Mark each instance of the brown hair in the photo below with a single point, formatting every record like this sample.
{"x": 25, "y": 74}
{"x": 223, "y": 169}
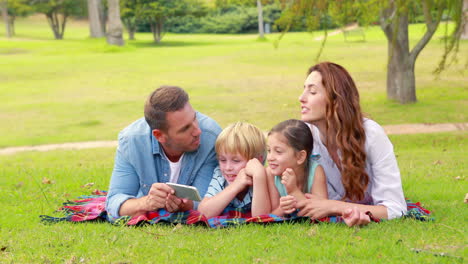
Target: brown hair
{"x": 161, "y": 101}
{"x": 298, "y": 135}
{"x": 344, "y": 128}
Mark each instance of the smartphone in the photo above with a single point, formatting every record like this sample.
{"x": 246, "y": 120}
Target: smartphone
{"x": 185, "y": 191}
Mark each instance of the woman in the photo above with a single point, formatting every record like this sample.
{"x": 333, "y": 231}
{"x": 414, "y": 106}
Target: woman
{"x": 361, "y": 169}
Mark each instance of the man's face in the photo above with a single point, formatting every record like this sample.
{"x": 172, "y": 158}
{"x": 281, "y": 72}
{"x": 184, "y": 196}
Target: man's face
{"x": 183, "y": 133}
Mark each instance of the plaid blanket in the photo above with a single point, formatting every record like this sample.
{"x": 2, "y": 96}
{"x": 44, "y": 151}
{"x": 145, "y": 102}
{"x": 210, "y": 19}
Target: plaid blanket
{"x": 92, "y": 208}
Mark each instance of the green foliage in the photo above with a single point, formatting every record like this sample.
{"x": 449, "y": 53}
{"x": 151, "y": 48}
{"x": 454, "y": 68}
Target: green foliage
{"x": 19, "y": 8}
{"x": 58, "y": 11}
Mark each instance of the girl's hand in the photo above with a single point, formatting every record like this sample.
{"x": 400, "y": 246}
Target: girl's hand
{"x": 253, "y": 166}
{"x": 288, "y": 204}
{"x": 354, "y": 217}
{"x": 243, "y": 180}
{"x": 314, "y": 207}
{"x": 289, "y": 180}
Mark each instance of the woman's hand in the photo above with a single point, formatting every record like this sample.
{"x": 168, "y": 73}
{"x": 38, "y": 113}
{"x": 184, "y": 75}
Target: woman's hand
{"x": 315, "y": 207}
{"x": 288, "y": 204}
{"x": 289, "y": 180}
{"x": 355, "y": 217}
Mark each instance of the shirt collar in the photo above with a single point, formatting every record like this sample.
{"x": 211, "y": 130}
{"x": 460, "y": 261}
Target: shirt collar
{"x": 155, "y": 145}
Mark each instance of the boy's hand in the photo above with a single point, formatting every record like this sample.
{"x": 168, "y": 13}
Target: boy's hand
{"x": 242, "y": 179}
{"x": 253, "y": 166}
{"x": 289, "y": 180}
{"x": 288, "y": 204}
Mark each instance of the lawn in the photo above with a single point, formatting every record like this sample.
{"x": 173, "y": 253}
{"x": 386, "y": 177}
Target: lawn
{"x": 433, "y": 172}
{"x": 81, "y": 89}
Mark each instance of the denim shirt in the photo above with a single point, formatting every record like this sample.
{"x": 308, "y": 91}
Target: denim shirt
{"x": 140, "y": 162}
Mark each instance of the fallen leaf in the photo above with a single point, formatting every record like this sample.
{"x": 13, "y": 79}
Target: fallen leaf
{"x": 178, "y": 226}
{"x": 47, "y": 181}
{"x": 3, "y": 248}
{"x": 312, "y": 231}
{"x": 466, "y": 198}
{"x": 87, "y": 185}
{"x": 458, "y": 178}
{"x": 437, "y": 162}
{"x": 66, "y": 195}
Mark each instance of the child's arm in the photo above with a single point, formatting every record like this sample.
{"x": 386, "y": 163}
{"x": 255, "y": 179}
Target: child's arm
{"x": 261, "y": 197}
{"x": 319, "y": 187}
{"x": 274, "y": 195}
{"x": 214, "y": 206}
{"x": 289, "y": 180}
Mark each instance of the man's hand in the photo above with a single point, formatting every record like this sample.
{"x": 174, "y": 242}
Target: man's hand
{"x": 176, "y": 204}
{"x": 157, "y": 196}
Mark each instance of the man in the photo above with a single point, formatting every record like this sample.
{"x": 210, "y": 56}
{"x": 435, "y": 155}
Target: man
{"x": 173, "y": 143}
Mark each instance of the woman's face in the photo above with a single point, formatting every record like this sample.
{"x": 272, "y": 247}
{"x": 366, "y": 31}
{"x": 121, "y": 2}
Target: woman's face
{"x": 313, "y": 99}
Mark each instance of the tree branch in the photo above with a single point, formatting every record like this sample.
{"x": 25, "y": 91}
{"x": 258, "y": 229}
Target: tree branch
{"x": 431, "y": 28}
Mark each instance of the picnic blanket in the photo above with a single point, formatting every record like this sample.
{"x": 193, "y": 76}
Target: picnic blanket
{"x": 92, "y": 208}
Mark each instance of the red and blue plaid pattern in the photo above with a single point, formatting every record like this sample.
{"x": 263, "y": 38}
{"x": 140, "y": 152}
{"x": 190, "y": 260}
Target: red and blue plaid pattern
{"x": 92, "y": 207}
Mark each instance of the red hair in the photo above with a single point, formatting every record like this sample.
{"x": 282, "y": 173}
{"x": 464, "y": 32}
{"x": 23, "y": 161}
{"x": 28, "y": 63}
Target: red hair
{"x": 344, "y": 128}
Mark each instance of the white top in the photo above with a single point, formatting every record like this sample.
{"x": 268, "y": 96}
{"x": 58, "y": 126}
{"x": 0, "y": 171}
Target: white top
{"x": 384, "y": 176}
{"x": 175, "y": 168}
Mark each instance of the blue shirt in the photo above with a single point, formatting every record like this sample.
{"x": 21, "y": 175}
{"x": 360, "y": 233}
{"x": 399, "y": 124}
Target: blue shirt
{"x": 219, "y": 183}
{"x": 140, "y": 162}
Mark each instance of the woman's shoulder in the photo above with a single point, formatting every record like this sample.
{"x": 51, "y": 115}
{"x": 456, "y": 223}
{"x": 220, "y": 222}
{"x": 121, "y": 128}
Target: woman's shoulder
{"x": 373, "y": 129}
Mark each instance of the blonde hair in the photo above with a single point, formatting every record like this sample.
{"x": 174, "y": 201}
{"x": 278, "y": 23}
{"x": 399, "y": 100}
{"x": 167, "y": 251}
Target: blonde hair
{"x": 243, "y": 138}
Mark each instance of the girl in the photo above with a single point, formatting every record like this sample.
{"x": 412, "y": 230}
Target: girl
{"x": 230, "y": 186}
{"x": 357, "y": 156}
{"x": 290, "y": 172}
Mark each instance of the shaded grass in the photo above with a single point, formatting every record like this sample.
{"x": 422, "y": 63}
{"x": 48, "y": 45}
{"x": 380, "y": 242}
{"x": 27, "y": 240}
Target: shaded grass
{"x": 52, "y": 90}
{"x": 429, "y": 163}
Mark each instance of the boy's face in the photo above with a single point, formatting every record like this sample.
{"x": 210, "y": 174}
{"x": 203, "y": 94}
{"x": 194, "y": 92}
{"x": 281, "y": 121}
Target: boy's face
{"x": 231, "y": 164}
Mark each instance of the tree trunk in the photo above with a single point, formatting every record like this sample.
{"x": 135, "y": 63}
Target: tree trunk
{"x": 95, "y": 27}
{"x": 4, "y": 7}
{"x": 157, "y": 28}
{"x": 12, "y": 25}
{"x": 400, "y": 66}
{"x": 260, "y": 19}
{"x": 103, "y": 17}
{"x": 464, "y": 34}
{"x": 58, "y": 27}
{"x": 115, "y": 29}
{"x": 131, "y": 34}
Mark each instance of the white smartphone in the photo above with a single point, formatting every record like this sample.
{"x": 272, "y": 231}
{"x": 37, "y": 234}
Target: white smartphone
{"x": 185, "y": 191}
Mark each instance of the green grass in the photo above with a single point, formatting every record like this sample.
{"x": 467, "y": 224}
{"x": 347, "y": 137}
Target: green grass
{"x": 429, "y": 163}
{"x": 81, "y": 89}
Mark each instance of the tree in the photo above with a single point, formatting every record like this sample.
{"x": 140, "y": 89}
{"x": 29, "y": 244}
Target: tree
{"x": 128, "y": 14}
{"x": 393, "y": 18}
{"x": 57, "y": 13}
{"x": 260, "y": 19}
{"x": 17, "y": 8}
{"x": 114, "y": 30}
{"x": 464, "y": 34}
{"x": 94, "y": 16}
{"x": 4, "y": 7}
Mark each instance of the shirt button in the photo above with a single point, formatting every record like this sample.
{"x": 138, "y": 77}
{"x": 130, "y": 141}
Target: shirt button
{"x": 165, "y": 174}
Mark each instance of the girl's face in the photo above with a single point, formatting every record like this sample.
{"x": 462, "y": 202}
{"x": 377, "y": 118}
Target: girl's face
{"x": 313, "y": 99}
{"x": 280, "y": 154}
{"x": 230, "y": 165}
